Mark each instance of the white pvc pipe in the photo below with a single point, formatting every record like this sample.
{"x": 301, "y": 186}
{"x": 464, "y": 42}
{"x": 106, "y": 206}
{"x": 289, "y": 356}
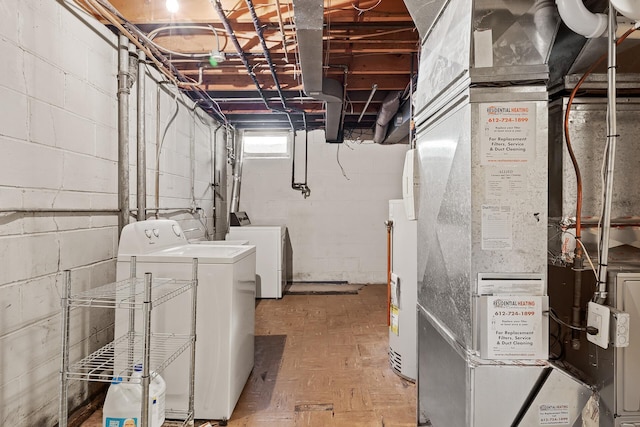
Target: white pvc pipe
{"x": 580, "y": 20}
{"x": 629, "y": 8}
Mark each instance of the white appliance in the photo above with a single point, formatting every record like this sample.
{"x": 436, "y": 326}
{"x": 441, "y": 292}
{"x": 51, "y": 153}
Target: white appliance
{"x": 404, "y": 268}
{"x": 411, "y": 183}
{"x": 270, "y": 256}
{"x": 225, "y": 321}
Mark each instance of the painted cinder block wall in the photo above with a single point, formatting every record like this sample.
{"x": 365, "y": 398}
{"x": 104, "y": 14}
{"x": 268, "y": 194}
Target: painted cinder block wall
{"x": 58, "y": 149}
{"x": 338, "y": 233}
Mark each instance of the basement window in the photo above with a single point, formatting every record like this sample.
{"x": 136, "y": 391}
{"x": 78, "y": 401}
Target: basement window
{"x": 266, "y": 144}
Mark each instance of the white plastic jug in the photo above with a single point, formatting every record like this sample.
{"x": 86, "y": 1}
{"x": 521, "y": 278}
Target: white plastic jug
{"x": 122, "y": 405}
{"x": 157, "y": 392}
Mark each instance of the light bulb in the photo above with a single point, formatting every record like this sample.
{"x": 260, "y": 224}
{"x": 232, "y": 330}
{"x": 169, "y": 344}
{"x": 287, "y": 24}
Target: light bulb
{"x": 172, "y": 6}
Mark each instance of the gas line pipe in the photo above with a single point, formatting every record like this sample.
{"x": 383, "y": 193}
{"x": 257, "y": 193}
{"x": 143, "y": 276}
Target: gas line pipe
{"x": 389, "y": 225}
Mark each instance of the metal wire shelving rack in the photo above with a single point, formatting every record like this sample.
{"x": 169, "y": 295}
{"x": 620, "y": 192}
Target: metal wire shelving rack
{"x": 154, "y": 351}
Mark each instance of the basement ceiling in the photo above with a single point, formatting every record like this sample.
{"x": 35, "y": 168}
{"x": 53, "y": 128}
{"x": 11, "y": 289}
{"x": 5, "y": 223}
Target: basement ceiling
{"x": 366, "y": 44}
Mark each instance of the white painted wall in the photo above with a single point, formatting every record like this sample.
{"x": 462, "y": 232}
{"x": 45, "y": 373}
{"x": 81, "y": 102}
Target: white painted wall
{"x": 338, "y": 233}
{"x": 58, "y": 149}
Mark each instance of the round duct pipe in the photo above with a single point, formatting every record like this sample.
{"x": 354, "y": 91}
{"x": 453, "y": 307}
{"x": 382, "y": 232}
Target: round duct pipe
{"x": 580, "y": 20}
{"x": 629, "y": 8}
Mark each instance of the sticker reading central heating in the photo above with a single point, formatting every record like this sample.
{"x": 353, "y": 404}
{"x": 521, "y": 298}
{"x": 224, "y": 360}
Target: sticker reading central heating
{"x": 507, "y": 133}
{"x": 554, "y": 414}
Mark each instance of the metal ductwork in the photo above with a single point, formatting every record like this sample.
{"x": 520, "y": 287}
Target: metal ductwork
{"x": 389, "y": 108}
{"x": 424, "y": 13}
{"x": 309, "y": 18}
{"x": 400, "y": 126}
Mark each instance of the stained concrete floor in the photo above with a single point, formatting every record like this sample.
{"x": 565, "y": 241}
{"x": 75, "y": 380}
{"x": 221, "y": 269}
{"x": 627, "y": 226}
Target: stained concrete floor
{"x": 321, "y": 360}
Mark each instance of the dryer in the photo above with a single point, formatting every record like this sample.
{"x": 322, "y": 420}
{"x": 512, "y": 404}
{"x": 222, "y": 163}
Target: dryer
{"x": 270, "y": 243}
{"x": 225, "y": 312}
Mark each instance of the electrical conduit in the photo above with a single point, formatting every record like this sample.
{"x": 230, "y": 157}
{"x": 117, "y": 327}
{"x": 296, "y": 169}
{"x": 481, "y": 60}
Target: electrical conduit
{"x": 612, "y": 137}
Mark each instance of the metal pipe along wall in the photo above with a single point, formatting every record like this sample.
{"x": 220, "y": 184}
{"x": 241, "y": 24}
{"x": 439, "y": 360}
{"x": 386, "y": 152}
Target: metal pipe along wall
{"x": 123, "y": 132}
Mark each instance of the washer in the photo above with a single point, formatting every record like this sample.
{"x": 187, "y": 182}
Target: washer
{"x": 270, "y": 257}
{"x": 225, "y": 321}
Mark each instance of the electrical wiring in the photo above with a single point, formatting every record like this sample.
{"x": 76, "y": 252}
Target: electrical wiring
{"x": 361, "y": 11}
{"x": 340, "y": 164}
{"x": 114, "y": 19}
{"x": 155, "y": 32}
{"x": 554, "y": 316}
{"x": 567, "y": 135}
{"x": 593, "y": 268}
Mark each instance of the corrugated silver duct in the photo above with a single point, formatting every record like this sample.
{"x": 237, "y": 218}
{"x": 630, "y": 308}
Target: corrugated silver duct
{"x": 309, "y": 22}
{"x": 387, "y": 112}
{"x": 237, "y": 170}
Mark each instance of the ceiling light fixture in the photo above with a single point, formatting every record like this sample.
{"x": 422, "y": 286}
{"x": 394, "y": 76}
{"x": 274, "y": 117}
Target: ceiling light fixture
{"x": 172, "y": 6}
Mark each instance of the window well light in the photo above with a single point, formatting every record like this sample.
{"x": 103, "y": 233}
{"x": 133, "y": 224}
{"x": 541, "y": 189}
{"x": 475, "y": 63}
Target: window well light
{"x": 172, "y": 6}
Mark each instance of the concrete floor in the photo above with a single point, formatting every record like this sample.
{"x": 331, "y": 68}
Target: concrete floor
{"x": 321, "y": 360}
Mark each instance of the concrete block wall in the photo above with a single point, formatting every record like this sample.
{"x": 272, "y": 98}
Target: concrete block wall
{"x": 58, "y": 139}
{"x": 338, "y": 233}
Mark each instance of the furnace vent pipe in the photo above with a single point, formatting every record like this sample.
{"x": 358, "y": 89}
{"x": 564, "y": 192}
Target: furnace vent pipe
{"x": 580, "y": 20}
{"x": 629, "y": 8}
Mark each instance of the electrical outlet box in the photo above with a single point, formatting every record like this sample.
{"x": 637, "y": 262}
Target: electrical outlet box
{"x": 619, "y": 328}
{"x": 598, "y": 316}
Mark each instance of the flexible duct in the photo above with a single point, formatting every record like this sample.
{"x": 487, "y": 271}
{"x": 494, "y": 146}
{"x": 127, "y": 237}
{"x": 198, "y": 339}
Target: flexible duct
{"x": 388, "y": 110}
{"x": 629, "y": 8}
{"x": 237, "y": 172}
{"x": 580, "y": 20}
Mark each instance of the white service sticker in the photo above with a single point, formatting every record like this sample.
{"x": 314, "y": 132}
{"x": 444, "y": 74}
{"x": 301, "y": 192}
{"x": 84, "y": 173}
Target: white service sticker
{"x": 554, "y": 414}
{"x": 505, "y": 182}
{"x": 497, "y": 228}
{"x": 507, "y": 133}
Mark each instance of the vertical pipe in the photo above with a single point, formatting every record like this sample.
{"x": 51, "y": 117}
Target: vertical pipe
{"x": 237, "y": 173}
{"x": 194, "y": 299}
{"x": 123, "y": 132}
{"x": 141, "y": 141}
{"x": 64, "y": 361}
{"x": 146, "y": 356}
{"x": 220, "y": 186}
{"x": 389, "y": 225}
{"x": 158, "y": 143}
{"x": 132, "y": 315}
{"x": 612, "y": 136}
